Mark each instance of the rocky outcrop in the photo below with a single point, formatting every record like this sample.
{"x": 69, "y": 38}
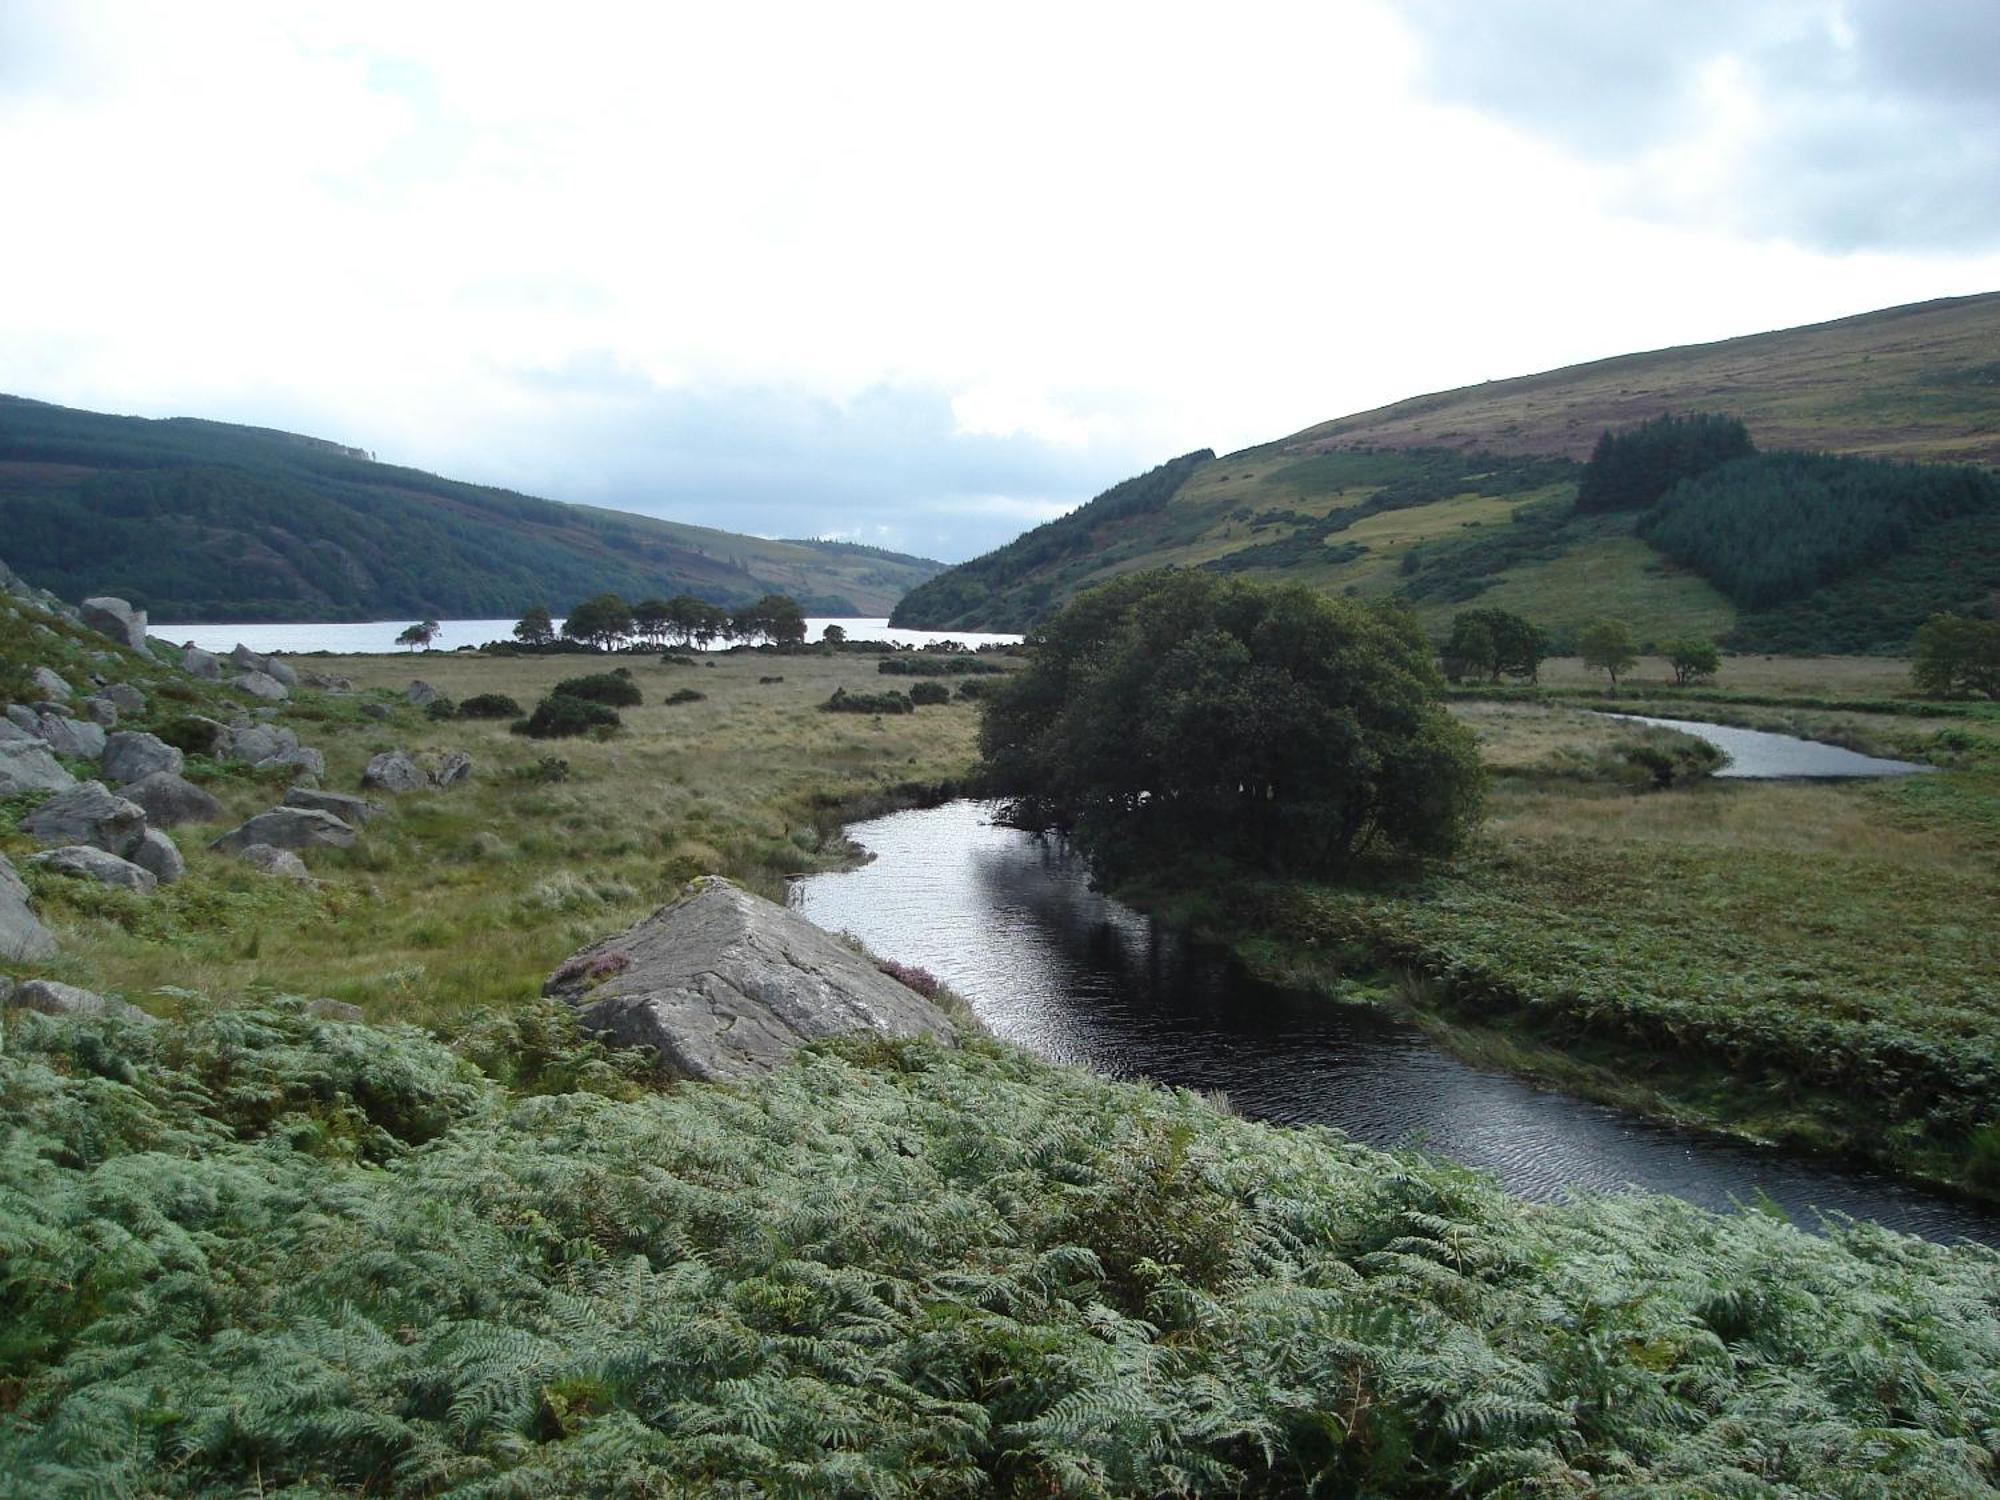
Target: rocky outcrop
{"x": 88, "y": 814}
{"x": 262, "y": 685}
{"x": 270, "y": 666}
{"x": 258, "y": 742}
{"x": 375, "y": 710}
{"x": 85, "y": 863}
{"x": 117, "y": 619}
{"x": 125, "y": 698}
{"x": 353, "y": 811}
{"x": 170, "y": 800}
{"x": 27, "y": 766}
{"x": 22, "y": 936}
{"x": 131, "y": 754}
{"x": 393, "y": 771}
{"x": 100, "y": 710}
{"x": 725, "y": 985}
{"x": 450, "y": 768}
{"x": 288, "y": 828}
{"x": 420, "y": 693}
{"x": 203, "y": 664}
{"x": 299, "y": 758}
{"x": 53, "y": 999}
{"x": 50, "y": 685}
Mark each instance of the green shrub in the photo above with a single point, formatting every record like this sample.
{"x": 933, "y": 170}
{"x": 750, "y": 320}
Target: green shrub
{"x": 489, "y": 706}
{"x": 614, "y": 688}
{"x": 972, "y": 688}
{"x": 937, "y": 664}
{"x": 441, "y": 708}
{"x": 685, "y": 695}
{"x": 929, "y": 692}
{"x": 190, "y": 734}
{"x": 560, "y": 716}
{"x": 844, "y": 702}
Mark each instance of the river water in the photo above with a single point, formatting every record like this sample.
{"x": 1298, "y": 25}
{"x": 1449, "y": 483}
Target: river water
{"x": 1757, "y": 755}
{"x": 1009, "y": 921}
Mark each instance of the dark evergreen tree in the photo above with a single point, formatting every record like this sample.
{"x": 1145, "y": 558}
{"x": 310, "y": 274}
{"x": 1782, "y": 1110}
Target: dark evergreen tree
{"x": 1630, "y": 470}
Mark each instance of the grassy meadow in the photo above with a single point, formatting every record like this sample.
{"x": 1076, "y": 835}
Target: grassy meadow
{"x": 469, "y": 896}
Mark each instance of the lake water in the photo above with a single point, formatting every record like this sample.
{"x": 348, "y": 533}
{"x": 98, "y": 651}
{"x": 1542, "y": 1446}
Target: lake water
{"x": 1009, "y": 921}
{"x": 379, "y": 636}
{"x": 1757, "y": 755}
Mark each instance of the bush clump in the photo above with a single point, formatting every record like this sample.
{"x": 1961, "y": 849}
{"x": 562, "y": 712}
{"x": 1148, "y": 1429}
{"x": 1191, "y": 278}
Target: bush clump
{"x": 937, "y": 664}
{"x": 190, "y": 734}
{"x": 844, "y": 702}
{"x": 685, "y": 695}
{"x": 441, "y": 709}
{"x": 614, "y": 688}
{"x": 560, "y": 716}
{"x": 489, "y": 706}
{"x": 929, "y": 692}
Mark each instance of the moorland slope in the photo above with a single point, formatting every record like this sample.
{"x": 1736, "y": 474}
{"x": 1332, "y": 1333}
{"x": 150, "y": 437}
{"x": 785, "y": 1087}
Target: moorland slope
{"x": 197, "y": 520}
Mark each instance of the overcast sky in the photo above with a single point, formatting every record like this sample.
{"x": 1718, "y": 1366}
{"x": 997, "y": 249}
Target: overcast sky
{"x": 924, "y": 275}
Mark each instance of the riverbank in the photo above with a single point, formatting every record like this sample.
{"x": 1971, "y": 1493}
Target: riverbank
{"x": 1807, "y": 964}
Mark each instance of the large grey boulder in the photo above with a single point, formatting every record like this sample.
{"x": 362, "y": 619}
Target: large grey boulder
{"x": 100, "y": 710}
{"x": 88, "y": 814}
{"x": 375, "y": 710}
{"x": 420, "y": 693}
{"x": 450, "y": 768}
{"x": 288, "y": 828}
{"x": 86, "y": 863}
{"x": 27, "y": 766}
{"x": 262, "y": 685}
{"x": 126, "y": 698}
{"x": 50, "y": 684}
{"x": 353, "y": 811}
{"x": 13, "y": 734}
{"x": 132, "y": 753}
{"x": 393, "y": 771}
{"x": 117, "y": 619}
{"x": 53, "y": 999}
{"x": 23, "y": 717}
{"x": 22, "y": 937}
{"x": 78, "y": 738}
{"x": 259, "y": 742}
{"x": 281, "y": 670}
{"x": 280, "y": 862}
{"x": 725, "y": 985}
{"x": 203, "y": 664}
{"x": 171, "y": 800}
{"x": 161, "y": 855}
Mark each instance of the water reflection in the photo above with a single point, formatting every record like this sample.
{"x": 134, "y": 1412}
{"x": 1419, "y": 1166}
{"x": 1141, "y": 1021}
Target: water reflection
{"x": 1010, "y": 922}
{"x": 1758, "y": 755}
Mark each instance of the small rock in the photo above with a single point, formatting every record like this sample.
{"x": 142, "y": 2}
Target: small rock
{"x": 299, "y": 757}
{"x": 159, "y": 854}
{"x": 326, "y": 684}
{"x": 288, "y": 828}
{"x": 131, "y": 754}
{"x": 27, "y": 766}
{"x": 23, "y": 717}
{"x": 203, "y": 664}
{"x": 53, "y": 999}
{"x": 262, "y": 685}
{"x": 22, "y": 936}
{"x": 335, "y": 1010}
{"x": 101, "y": 711}
{"x": 170, "y": 800}
{"x": 126, "y": 698}
{"x": 77, "y": 738}
{"x": 275, "y": 862}
{"x": 50, "y": 685}
{"x": 86, "y": 863}
{"x": 420, "y": 693}
{"x": 393, "y": 771}
{"x": 88, "y": 814}
{"x": 353, "y": 811}
{"x": 117, "y": 619}
{"x": 376, "y": 710}
{"x": 453, "y": 766}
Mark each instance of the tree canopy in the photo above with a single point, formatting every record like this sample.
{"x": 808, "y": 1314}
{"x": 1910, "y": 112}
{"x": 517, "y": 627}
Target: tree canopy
{"x": 1608, "y": 646}
{"x": 1492, "y": 643}
{"x": 1178, "y": 714}
{"x": 1630, "y": 470}
{"x": 1957, "y": 655}
{"x": 535, "y": 628}
{"x": 602, "y": 620}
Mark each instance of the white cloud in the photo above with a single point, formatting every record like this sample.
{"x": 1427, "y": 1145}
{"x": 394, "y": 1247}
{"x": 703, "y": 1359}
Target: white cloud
{"x": 677, "y": 255}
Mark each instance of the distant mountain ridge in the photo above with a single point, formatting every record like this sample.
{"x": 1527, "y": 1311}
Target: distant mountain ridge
{"x": 199, "y": 520}
{"x": 1469, "y": 494}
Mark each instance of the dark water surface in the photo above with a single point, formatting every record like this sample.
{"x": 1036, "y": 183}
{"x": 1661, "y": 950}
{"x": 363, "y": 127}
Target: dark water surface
{"x": 1011, "y": 923}
{"x": 1758, "y": 755}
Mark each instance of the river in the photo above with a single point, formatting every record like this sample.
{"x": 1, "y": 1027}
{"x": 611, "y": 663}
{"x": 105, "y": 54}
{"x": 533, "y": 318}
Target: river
{"x": 1009, "y": 921}
{"x": 1758, "y": 755}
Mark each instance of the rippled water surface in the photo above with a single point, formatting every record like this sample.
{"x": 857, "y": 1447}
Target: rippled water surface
{"x": 1010, "y": 922}
{"x": 1755, "y": 754}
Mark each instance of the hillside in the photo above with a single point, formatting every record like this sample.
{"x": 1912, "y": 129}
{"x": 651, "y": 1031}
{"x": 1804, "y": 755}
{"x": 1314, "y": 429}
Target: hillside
{"x": 1468, "y": 494}
{"x": 199, "y": 520}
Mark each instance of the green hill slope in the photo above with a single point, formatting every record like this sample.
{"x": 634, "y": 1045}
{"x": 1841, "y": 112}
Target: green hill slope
{"x": 203, "y": 520}
{"x": 1468, "y": 494}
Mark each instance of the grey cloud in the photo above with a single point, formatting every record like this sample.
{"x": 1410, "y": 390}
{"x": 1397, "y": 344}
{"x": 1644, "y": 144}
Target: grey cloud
{"x": 888, "y": 468}
{"x": 1882, "y": 117}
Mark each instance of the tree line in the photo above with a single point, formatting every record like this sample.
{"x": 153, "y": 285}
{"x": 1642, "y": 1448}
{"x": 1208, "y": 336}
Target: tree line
{"x": 606, "y": 622}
